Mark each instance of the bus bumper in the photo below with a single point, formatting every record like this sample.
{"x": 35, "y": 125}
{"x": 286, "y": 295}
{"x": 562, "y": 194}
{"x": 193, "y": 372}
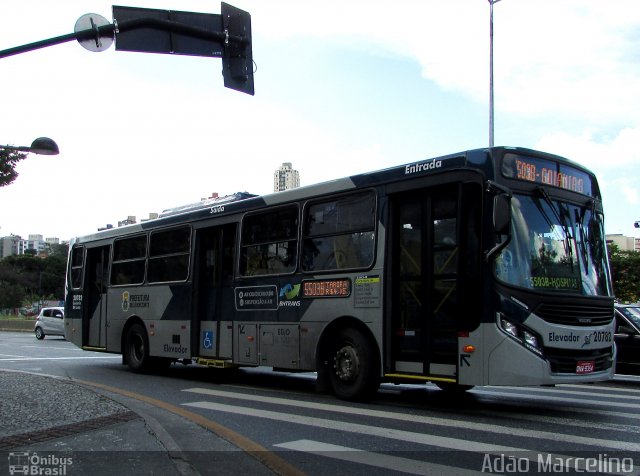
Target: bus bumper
{"x": 530, "y": 369}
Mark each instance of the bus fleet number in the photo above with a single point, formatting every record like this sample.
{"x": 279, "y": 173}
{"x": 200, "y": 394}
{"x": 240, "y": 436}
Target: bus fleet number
{"x": 601, "y": 336}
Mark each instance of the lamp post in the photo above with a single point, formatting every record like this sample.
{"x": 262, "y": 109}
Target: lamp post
{"x": 491, "y": 2}
{"x": 41, "y": 146}
{"x": 8, "y": 160}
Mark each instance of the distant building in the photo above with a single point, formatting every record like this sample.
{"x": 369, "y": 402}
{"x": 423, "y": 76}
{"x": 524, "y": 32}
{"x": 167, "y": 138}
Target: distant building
{"x": 130, "y": 220}
{"x": 285, "y": 178}
{"x": 11, "y": 245}
{"x": 624, "y": 243}
{"x": 152, "y": 216}
{"x": 15, "y": 245}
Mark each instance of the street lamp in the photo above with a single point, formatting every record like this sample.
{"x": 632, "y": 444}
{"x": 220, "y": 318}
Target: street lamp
{"x": 41, "y": 146}
{"x": 491, "y": 2}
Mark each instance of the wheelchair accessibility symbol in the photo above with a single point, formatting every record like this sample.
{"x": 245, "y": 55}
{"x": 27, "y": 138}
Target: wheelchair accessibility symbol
{"x": 207, "y": 339}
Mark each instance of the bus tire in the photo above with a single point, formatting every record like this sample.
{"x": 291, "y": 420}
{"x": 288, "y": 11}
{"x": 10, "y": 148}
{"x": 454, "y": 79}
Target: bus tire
{"x": 354, "y": 367}
{"x": 453, "y": 388}
{"x": 136, "y": 347}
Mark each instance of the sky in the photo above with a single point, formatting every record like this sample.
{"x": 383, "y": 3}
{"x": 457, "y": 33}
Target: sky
{"x": 341, "y": 87}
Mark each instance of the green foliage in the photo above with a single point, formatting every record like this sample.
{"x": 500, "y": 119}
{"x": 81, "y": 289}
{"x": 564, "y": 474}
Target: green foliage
{"x": 8, "y": 161}
{"x": 28, "y": 278}
{"x": 625, "y": 272}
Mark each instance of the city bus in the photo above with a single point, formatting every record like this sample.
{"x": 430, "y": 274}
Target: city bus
{"x": 485, "y": 267}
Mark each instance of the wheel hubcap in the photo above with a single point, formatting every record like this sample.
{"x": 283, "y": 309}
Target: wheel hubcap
{"x": 346, "y": 364}
{"x": 138, "y": 348}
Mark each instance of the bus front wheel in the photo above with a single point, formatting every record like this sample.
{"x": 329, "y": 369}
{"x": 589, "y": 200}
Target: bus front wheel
{"x": 453, "y": 388}
{"x": 354, "y": 371}
{"x": 137, "y": 348}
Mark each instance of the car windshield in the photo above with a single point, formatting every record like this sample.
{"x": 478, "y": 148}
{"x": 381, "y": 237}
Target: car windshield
{"x": 631, "y": 313}
{"x": 555, "y": 246}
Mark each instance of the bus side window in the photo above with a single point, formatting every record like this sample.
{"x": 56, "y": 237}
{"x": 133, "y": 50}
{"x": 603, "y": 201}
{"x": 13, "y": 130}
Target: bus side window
{"x": 169, "y": 253}
{"x": 339, "y": 234}
{"x": 129, "y": 258}
{"x": 77, "y": 263}
{"x": 269, "y": 242}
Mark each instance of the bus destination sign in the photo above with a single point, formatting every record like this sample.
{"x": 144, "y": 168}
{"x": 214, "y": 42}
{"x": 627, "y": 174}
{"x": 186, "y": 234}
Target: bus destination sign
{"x": 323, "y": 288}
{"x": 546, "y": 172}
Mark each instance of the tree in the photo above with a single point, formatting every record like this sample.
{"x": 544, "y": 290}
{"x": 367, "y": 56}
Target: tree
{"x": 8, "y": 162}
{"x": 24, "y": 277}
{"x": 625, "y": 273}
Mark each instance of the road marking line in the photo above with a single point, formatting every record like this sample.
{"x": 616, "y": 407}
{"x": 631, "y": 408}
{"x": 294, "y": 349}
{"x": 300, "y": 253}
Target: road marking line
{"x": 445, "y": 422}
{"x": 603, "y": 390}
{"x": 46, "y": 347}
{"x": 458, "y": 444}
{"x": 22, "y": 359}
{"x": 580, "y": 401}
{"x": 549, "y": 391}
{"x": 264, "y": 456}
{"x": 352, "y": 455}
{"x": 391, "y": 433}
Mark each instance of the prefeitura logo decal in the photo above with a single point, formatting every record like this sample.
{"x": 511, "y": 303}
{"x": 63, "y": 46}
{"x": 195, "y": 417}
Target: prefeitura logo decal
{"x": 125, "y": 301}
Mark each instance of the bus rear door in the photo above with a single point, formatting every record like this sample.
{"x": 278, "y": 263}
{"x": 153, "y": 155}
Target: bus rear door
{"x": 94, "y": 316}
{"x": 215, "y": 251}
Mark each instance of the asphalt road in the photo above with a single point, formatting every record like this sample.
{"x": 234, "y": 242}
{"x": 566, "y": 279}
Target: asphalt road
{"x": 406, "y": 430}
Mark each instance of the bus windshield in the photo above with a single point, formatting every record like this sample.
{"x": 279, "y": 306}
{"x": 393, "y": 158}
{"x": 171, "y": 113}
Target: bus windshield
{"x": 555, "y": 246}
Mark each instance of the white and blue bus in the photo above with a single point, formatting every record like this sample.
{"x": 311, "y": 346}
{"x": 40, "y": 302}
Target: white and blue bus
{"x": 486, "y": 267}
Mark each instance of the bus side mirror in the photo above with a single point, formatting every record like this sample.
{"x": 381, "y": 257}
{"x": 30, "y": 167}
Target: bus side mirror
{"x": 501, "y": 214}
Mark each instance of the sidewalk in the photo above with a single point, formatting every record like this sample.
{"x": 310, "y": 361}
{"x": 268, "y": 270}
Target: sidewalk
{"x": 62, "y": 427}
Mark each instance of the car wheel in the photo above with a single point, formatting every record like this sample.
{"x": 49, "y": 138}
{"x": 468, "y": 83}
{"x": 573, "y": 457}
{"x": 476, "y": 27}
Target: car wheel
{"x": 39, "y": 333}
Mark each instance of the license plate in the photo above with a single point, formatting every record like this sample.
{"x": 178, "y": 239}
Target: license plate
{"x": 585, "y": 366}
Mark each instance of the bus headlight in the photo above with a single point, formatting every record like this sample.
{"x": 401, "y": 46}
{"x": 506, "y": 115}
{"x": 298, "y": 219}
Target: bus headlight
{"x": 509, "y": 328}
{"x": 526, "y": 337}
{"x": 531, "y": 342}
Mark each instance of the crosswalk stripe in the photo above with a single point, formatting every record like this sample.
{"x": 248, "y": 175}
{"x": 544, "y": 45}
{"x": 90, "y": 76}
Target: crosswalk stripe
{"x": 385, "y": 461}
{"x": 23, "y": 359}
{"x": 603, "y": 390}
{"x": 446, "y": 422}
{"x": 579, "y": 401}
{"x": 402, "y": 435}
{"x": 557, "y": 391}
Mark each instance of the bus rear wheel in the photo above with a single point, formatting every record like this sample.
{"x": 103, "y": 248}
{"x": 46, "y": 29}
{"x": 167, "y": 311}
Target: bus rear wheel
{"x": 354, "y": 371}
{"x": 136, "y": 349}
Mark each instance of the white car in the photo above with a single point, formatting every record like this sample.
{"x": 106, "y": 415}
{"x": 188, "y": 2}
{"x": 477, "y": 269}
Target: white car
{"x": 50, "y": 322}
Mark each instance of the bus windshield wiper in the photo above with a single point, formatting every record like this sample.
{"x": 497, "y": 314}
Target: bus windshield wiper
{"x": 585, "y": 246}
{"x": 559, "y": 214}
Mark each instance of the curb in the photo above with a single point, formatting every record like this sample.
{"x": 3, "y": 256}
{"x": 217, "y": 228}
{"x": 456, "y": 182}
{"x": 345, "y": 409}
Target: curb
{"x": 17, "y": 325}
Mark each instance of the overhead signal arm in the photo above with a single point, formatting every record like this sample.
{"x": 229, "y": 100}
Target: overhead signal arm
{"x": 227, "y": 36}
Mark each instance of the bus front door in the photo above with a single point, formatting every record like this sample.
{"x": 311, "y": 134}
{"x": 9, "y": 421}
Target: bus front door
{"x": 214, "y": 293}
{"x": 94, "y": 317}
{"x": 425, "y": 256}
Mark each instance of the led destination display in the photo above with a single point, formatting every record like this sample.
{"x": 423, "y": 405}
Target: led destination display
{"x": 546, "y": 172}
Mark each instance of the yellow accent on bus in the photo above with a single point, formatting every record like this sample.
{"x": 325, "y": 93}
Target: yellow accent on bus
{"x": 94, "y": 349}
{"x": 216, "y": 363}
{"x": 421, "y": 377}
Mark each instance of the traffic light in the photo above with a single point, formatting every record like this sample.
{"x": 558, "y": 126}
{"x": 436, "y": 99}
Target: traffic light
{"x": 237, "y": 58}
{"x": 226, "y": 36}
